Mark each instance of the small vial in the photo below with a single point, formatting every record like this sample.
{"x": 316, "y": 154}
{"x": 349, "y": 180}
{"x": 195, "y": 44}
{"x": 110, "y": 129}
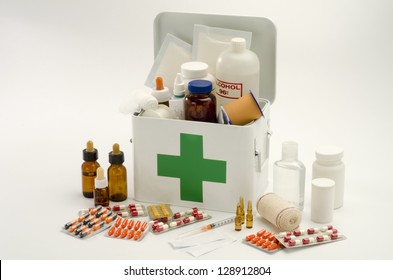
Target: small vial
{"x": 249, "y": 216}
{"x": 101, "y": 191}
{"x": 289, "y": 175}
{"x": 238, "y": 220}
{"x": 117, "y": 175}
{"x": 242, "y": 213}
{"x": 89, "y": 168}
{"x": 176, "y": 103}
{"x": 200, "y": 103}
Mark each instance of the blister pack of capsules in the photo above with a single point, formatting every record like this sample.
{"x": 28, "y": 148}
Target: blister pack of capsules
{"x": 263, "y": 240}
{"x": 128, "y": 229}
{"x": 310, "y": 236}
{"x": 179, "y": 219}
{"x": 132, "y": 210}
{"x": 90, "y": 223}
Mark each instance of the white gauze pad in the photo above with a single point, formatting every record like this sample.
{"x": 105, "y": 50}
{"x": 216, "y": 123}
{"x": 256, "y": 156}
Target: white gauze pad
{"x": 172, "y": 54}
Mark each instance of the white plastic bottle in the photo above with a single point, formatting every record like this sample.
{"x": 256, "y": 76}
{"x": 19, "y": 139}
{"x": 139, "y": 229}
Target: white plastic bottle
{"x": 328, "y": 164}
{"x": 289, "y": 175}
{"x": 195, "y": 70}
{"x": 237, "y": 73}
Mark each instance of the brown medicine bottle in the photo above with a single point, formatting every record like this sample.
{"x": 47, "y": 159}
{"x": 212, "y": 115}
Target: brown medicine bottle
{"x": 200, "y": 103}
{"x": 117, "y": 175}
{"x": 89, "y": 169}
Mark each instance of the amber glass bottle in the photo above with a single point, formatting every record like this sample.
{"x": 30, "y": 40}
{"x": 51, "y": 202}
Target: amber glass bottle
{"x": 89, "y": 169}
{"x": 117, "y": 175}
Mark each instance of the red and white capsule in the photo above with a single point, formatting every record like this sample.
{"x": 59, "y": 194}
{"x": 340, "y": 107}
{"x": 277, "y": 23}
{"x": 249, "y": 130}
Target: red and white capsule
{"x": 175, "y": 223}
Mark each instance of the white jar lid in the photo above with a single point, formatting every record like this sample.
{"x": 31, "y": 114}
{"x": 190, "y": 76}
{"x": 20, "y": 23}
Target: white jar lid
{"x": 194, "y": 69}
{"x": 329, "y": 153}
{"x": 323, "y": 183}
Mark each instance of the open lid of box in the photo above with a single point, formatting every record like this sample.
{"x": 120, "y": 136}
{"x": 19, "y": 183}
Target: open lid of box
{"x": 263, "y": 41}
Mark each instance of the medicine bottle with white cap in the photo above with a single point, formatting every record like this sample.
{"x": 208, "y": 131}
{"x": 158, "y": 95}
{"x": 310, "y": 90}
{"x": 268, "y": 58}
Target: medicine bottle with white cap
{"x": 328, "y": 164}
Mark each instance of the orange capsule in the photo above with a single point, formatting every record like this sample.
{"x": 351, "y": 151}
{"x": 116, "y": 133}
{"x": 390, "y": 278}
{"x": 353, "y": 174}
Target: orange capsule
{"x": 111, "y": 231}
{"x": 261, "y": 232}
{"x": 118, "y": 222}
{"x": 137, "y": 225}
{"x": 131, "y": 234}
{"x": 255, "y": 239}
{"x": 266, "y": 235}
{"x": 74, "y": 227}
{"x": 271, "y": 238}
{"x": 264, "y": 245}
{"x": 260, "y": 242}
{"x": 124, "y": 223}
{"x": 272, "y": 246}
{"x": 137, "y": 235}
{"x": 130, "y": 224}
{"x": 124, "y": 233}
{"x": 118, "y": 232}
{"x": 93, "y": 211}
{"x": 250, "y": 237}
{"x": 144, "y": 226}
{"x": 81, "y": 218}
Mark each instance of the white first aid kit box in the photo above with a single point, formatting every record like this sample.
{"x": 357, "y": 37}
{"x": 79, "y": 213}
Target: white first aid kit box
{"x": 206, "y": 165}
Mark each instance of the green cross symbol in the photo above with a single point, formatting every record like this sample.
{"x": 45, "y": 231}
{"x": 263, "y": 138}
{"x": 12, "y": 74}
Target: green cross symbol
{"x": 191, "y": 167}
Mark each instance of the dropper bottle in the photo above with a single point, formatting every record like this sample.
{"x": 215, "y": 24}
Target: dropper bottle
{"x": 117, "y": 175}
{"x": 161, "y": 92}
{"x": 176, "y": 103}
{"x": 101, "y": 191}
{"x": 89, "y": 169}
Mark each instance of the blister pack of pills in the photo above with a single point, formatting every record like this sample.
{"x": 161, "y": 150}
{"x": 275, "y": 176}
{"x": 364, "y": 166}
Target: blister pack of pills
{"x": 128, "y": 229}
{"x": 90, "y": 223}
{"x": 132, "y": 210}
{"x": 179, "y": 219}
{"x": 162, "y": 212}
{"x": 263, "y": 240}
{"x": 310, "y": 236}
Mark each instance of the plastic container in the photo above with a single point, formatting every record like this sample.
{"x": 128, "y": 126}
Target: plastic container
{"x": 237, "y": 73}
{"x": 322, "y": 200}
{"x": 200, "y": 103}
{"x": 289, "y": 175}
{"x": 328, "y": 164}
{"x": 195, "y": 70}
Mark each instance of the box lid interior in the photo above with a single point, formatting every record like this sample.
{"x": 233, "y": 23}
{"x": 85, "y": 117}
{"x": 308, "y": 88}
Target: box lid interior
{"x": 263, "y": 41}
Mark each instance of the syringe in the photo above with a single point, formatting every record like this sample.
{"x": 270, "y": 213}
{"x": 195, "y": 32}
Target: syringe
{"x": 208, "y": 227}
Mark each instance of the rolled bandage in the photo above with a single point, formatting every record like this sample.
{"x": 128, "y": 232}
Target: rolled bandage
{"x": 284, "y": 215}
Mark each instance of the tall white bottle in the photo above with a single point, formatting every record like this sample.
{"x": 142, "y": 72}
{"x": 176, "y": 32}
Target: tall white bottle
{"x": 237, "y": 73}
{"x": 289, "y": 175}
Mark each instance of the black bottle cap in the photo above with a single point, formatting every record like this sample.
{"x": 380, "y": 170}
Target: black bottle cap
{"x": 116, "y": 159}
{"x": 90, "y": 156}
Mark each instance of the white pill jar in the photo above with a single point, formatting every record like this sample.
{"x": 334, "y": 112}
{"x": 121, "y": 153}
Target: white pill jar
{"x": 328, "y": 164}
{"x": 195, "y": 70}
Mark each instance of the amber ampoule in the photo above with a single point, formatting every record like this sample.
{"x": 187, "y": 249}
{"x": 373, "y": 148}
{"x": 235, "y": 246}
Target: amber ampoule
{"x": 89, "y": 169}
{"x": 249, "y": 216}
{"x": 238, "y": 220}
{"x": 117, "y": 175}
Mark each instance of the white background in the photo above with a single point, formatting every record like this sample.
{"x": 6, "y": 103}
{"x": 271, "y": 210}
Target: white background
{"x": 65, "y": 67}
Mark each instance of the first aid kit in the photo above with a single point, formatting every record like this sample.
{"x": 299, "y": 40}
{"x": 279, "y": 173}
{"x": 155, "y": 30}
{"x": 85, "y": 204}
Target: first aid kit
{"x": 207, "y": 165}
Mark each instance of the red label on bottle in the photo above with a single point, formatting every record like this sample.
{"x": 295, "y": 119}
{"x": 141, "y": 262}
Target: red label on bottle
{"x": 229, "y": 90}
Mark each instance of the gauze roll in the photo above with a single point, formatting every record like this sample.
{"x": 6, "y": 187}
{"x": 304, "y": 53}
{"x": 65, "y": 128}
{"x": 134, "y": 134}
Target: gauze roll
{"x": 284, "y": 215}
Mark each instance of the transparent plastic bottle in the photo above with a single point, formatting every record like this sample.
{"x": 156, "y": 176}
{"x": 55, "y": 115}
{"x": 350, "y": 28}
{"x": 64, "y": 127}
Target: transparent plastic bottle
{"x": 289, "y": 175}
{"x": 117, "y": 175}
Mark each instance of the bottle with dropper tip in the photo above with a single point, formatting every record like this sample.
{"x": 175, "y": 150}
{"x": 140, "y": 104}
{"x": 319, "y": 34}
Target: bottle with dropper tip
{"x": 117, "y": 175}
{"x": 89, "y": 169}
{"x": 101, "y": 191}
{"x": 161, "y": 93}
